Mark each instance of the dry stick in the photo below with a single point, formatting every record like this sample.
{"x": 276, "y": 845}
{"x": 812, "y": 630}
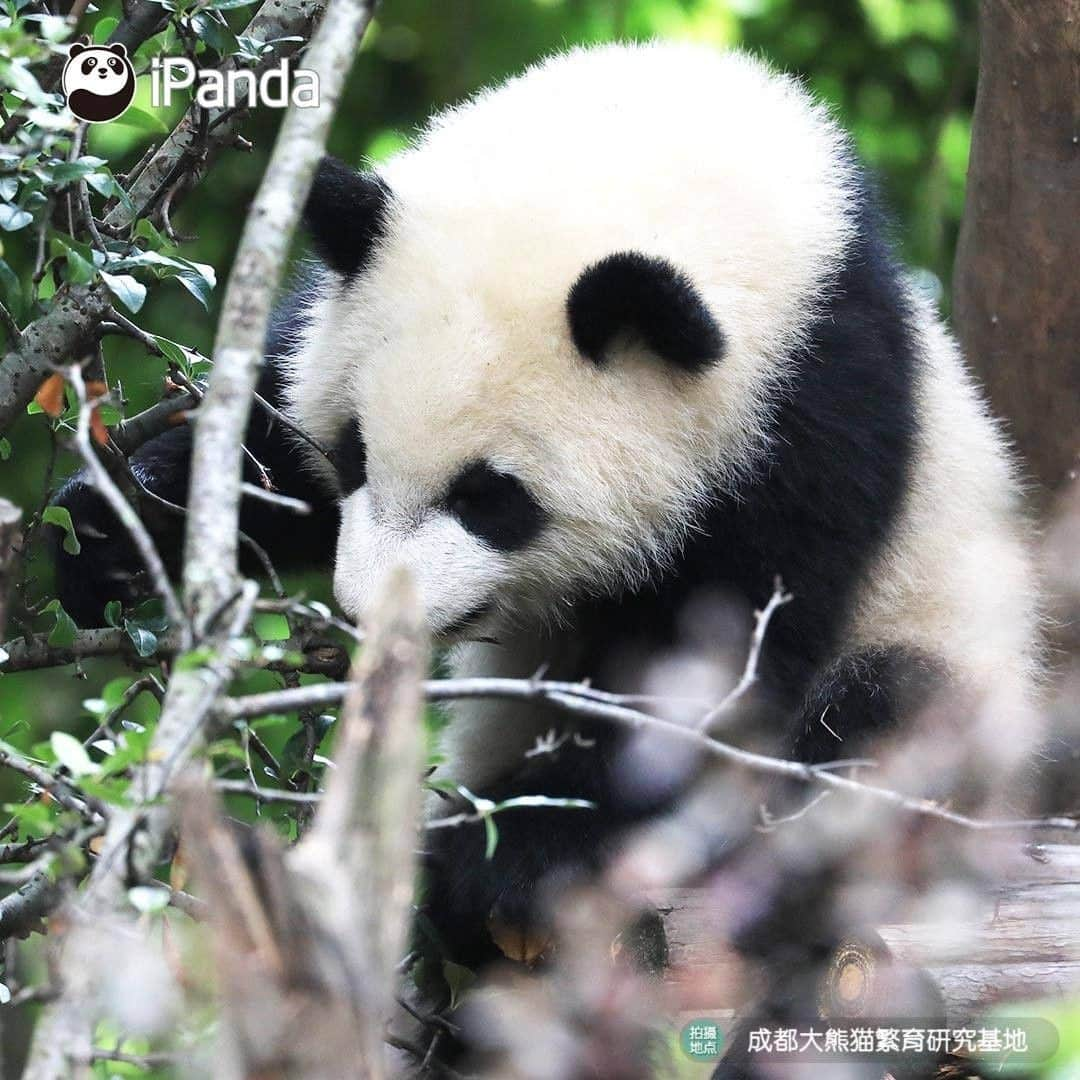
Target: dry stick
{"x": 268, "y": 795}
{"x": 125, "y": 513}
{"x": 356, "y": 866}
{"x": 581, "y": 700}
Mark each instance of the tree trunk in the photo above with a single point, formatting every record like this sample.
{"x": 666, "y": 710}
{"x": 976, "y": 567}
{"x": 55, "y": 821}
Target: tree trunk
{"x": 1017, "y": 281}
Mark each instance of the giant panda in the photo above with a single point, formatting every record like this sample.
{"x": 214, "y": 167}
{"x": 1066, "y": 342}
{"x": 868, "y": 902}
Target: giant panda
{"x": 624, "y": 333}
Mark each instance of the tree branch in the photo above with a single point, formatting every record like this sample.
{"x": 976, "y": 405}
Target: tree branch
{"x": 47, "y": 343}
{"x": 578, "y": 699}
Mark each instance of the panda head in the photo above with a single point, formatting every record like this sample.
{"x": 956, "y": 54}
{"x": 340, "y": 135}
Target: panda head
{"x": 534, "y": 361}
{"x": 98, "y": 81}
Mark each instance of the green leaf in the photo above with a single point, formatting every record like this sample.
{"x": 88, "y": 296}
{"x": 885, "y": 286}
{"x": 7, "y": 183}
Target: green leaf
{"x": 126, "y": 289}
{"x": 5, "y": 450}
{"x": 105, "y": 184}
{"x": 491, "y": 834}
{"x": 62, "y": 635}
{"x": 12, "y": 288}
{"x": 71, "y": 754}
{"x": 103, "y": 28}
{"x": 60, "y": 516}
{"x": 145, "y": 230}
{"x": 68, "y": 171}
{"x": 148, "y": 899}
{"x": 145, "y": 641}
{"x": 114, "y": 613}
{"x": 140, "y": 120}
{"x": 272, "y": 627}
{"x": 12, "y": 218}
{"x": 215, "y": 32}
{"x": 458, "y": 979}
{"x": 78, "y": 270}
{"x": 16, "y": 75}
{"x": 172, "y": 352}
{"x": 193, "y": 659}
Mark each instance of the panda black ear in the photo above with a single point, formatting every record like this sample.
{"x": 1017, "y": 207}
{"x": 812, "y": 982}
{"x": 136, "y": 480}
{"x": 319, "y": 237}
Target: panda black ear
{"x": 75, "y": 48}
{"x": 119, "y": 48}
{"x": 636, "y": 294}
{"x": 346, "y": 215}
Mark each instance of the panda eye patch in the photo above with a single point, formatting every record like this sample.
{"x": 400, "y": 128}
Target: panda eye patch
{"x": 350, "y": 458}
{"x": 88, "y": 65}
{"x": 495, "y": 507}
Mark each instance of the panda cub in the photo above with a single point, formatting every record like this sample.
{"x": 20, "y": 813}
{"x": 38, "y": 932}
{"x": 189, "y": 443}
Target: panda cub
{"x": 616, "y": 338}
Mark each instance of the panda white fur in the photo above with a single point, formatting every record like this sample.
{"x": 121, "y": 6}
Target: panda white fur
{"x": 618, "y": 334}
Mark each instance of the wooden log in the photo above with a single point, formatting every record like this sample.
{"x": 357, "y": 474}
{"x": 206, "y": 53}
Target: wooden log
{"x": 1026, "y": 945}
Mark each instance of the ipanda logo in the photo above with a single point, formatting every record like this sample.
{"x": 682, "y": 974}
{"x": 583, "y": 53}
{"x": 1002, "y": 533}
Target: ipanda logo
{"x": 98, "y": 81}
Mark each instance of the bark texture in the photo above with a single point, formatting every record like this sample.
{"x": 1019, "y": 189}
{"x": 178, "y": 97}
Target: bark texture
{"x": 1017, "y": 281}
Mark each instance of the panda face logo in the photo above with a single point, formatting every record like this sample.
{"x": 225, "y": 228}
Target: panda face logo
{"x": 99, "y": 81}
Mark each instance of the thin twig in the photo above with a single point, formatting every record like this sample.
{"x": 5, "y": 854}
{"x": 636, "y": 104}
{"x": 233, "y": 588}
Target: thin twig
{"x": 749, "y": 676}
{"x": 269, "y": 795}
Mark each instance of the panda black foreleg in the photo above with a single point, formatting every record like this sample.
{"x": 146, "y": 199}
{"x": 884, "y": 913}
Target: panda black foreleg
{"x": 108, "y": 566}
{"x": 796, "y": 931}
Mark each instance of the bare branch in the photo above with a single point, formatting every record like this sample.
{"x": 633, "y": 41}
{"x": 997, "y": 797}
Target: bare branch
{"x": 22, "y": 910}
{"x": 268, "y": 795}
{"x": 57, "y": 786}
{"x": 581, "y": 700}
{"x": 130, "y": 434}
{"x": 749, "y": 676}
{"x": 356, "y": 864}
{"x": 307, "y": 952}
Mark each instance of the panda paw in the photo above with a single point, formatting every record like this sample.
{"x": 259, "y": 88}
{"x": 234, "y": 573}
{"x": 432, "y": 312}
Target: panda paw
{"x": 485, "y": 909}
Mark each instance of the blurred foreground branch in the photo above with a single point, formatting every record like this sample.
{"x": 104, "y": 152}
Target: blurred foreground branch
{"x": 307, "y": 945}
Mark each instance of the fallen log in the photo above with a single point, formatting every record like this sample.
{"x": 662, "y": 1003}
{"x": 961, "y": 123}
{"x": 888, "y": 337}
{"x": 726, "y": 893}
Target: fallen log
{"x": 1025, "y": 947}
